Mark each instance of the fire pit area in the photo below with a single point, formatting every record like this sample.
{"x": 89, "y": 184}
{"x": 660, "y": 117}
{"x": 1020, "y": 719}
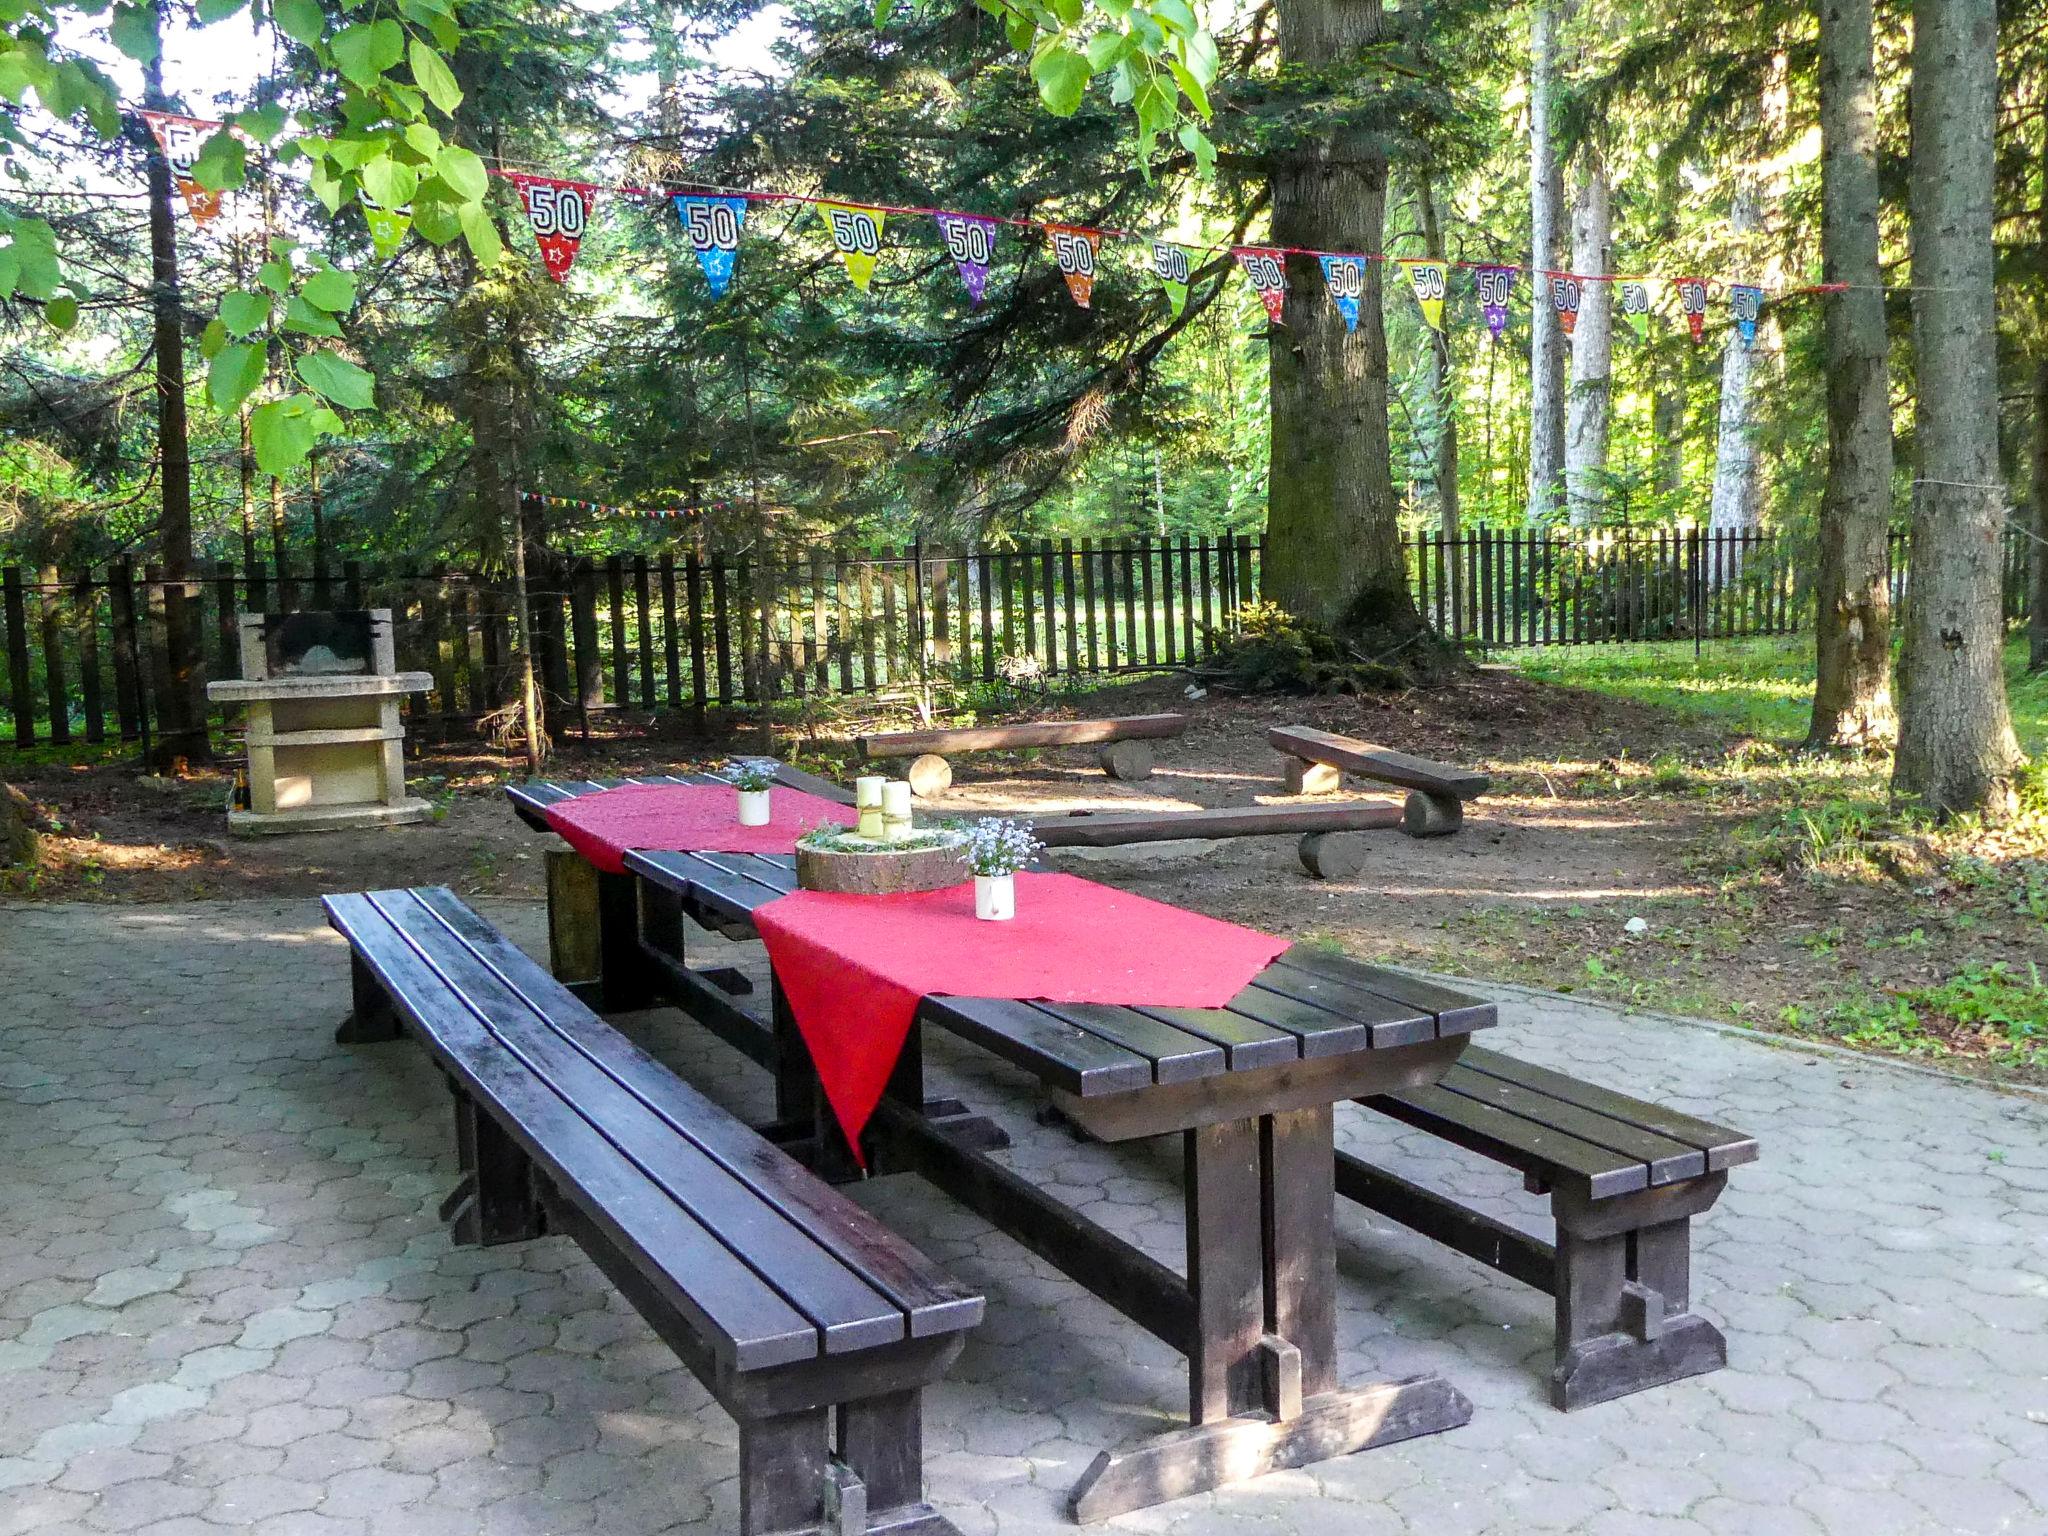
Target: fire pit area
{"x": 326, "y": 748}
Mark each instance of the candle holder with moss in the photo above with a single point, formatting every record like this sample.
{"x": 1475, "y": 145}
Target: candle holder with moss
{"x": 835, "y": 858}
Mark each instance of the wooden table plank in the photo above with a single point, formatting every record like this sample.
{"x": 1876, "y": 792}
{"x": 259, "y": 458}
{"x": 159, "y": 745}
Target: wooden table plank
{"x": 1455, "y": 1012}
{"x": 1246, "y": 1041}
{"x": 1388, "y": 1022}
{"x": 1053, "y": 1051}
{"x": 1176, "y": 1055}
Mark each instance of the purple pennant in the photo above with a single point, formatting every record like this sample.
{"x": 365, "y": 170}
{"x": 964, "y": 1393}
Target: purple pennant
{"x": 971, "y": 241}
{"x": 1496, "y": 287}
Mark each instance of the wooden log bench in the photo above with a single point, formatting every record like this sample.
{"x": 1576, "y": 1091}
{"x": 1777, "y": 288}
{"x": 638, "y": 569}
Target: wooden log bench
{"x": 1625, "y": 1179}
{"x": 1315, "y": 762}
{"x": 1125, "y": 745}
{"x": 1331, "y": 844}
{"x": 811, "y": 1323}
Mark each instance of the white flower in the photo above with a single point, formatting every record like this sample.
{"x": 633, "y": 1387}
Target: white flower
{"x": 750, "y": 773}
{"x": 1000, "y": 847}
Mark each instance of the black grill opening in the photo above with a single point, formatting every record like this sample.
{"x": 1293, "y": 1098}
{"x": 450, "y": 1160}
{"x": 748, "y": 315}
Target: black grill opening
{"x": 318, "y": 644}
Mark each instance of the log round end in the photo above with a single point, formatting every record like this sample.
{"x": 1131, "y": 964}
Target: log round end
{"x": 1333, "y": 855}
{"x": 929, "y": 774}
{"x": 1127, "y": 760}
{"x": 1424, "y": 815}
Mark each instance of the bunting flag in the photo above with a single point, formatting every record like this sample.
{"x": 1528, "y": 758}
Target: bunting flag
{"x": 1074, "y": 249}
{"x": 1345, "y": 277}
{"x": 388, "y": 227}
{"x": 1268, "y": 271}
{"x": 1635, "y": 307}
{"x": 713, "y": 225}
{"x": 1496, "y": 288}
{"x": 1692, "y": 298}
{"x": 856, "y": 233}
{"x": 971, "y": 242}
{"x": 180, "y": 139}
{"x": 1748, "y": 303}
{"x": 1564, "y": 298}
{"x": 559, "y": 212}
{"x": 605, "y": 509}
{"x": 1170, "y": 266}
{"x": 1431, "y": 281}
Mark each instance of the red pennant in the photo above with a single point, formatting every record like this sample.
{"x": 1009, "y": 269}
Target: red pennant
{"x": 180, "y": 139}
{"x": 1565, "y": 292}
{"x": 1692, "y": 298}
{"x": 558, "y": 211}
{"x": 1268, "y": 271}
{"x": 1074, "y": 249}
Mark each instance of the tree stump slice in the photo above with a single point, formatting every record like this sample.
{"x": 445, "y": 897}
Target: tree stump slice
{"x": 1332, "y": 855}
{"x": 929, "y": 773}
{"x": 1306, "y": 778}
{"x": 1424, "y": 815}
{"x": 881, "y": 873}
{"x": 1126, "y": 760}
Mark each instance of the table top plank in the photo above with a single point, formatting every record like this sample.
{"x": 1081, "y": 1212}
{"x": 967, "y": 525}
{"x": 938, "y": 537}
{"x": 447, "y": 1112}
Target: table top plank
{"x": 1387, "y": 1021}
{"x": 1051, "y": 1049}
{"x": 1455, "y": 1012}
{"x": 1246, "y": 1041}
{"x": 1176, "y": 1055}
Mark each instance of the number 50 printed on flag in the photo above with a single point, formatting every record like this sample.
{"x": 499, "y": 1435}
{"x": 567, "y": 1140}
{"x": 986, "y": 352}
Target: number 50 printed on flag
{"x": 856, "y": 234}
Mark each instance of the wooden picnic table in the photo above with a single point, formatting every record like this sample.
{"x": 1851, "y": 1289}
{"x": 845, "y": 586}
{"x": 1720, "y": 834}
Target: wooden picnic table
{"x": 1249, "y": 1088}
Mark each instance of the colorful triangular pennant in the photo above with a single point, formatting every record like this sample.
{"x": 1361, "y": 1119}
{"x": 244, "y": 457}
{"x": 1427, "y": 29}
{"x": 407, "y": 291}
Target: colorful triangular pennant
{"x": 1345, "y": 278}
{"x": 1267, "y": 269}
{"x": 1747, "y": 301}
{"x": 1692, "y": 298}
{"x": 1170, "y": 266}
{"x": 180, "y": 138}
{"x": 1635, "y": 306}
{"x": 1565, "y": 293}
{"x": 1431, "y": 280}
{"x": 856, "y": 233}
{"x": 971, "y": 242}
{"x": 713, "y": 225}
{"x": 1074, "y": 249}
{"x": 1496, "y": 287}
{"x": 559, "y": 212}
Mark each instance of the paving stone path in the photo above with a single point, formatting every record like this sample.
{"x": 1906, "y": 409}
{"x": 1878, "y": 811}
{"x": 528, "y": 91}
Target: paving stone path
{"x": 225, "y": 1303}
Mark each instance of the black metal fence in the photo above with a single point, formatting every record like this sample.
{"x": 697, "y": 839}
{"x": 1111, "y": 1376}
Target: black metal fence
{"x": 692, "y": 632}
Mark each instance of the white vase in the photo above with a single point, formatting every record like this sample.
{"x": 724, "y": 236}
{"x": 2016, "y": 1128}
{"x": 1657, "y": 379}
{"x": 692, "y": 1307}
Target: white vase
{"x": 754, "y": 807}
{"x": 995, "y": 898}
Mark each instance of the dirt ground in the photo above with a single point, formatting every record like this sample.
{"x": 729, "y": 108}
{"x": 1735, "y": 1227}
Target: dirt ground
{"x": 1541, "y": 885}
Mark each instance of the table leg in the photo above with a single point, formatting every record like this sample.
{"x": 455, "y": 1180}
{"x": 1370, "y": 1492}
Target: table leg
{"x": 625, "y": 982}
{"x": 1297, "y": 1154}
{"x": 1222, "y": 1195}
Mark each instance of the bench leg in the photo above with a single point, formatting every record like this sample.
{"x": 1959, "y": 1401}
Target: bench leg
{"x": 783, "y": 1464}
{"x": 371, "y": 1017}
{"x": 495, "y": 1203}
{"x": 1623, "y": 1314}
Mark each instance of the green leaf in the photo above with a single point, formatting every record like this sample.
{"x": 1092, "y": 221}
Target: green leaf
{"x": 37, "y": 271}
{"x": 303, "y": 318}
{"x": 481, "y": 231}
{"x": 276, "y": 275}
{"x": 302, "y": 21}
{"x": 1068, "y": 12}
{"x": 390, "y": 184}
{"x": 61, "y": 312}
{"x": 261, "y": 123}
{"x": 1062, "y": 76}
{"x": 222, "y": 162}
{"x": 434, "y": 77}
{"x": 1191, "y": 88}
{"x": 213, "y": 338}
{"x": 423, "y": 141}
{"x": 436, "y": 221}
{"x": 463, "y": 172}
{"x": 327, "y": 186}
{"x": 133, "y": 30}
{"x": 330, "y": 289}
{"x": 10, "y": 267}
{"x": 242, "y": 311}
{"x": 1197, "y": 144}
{"x": 236, "y": 373}
{"x": 1022, "y": 30}
{"x": 326, "y": 419}
{"x": 883, "y": 10}
{"x": 363, "y": 52}
{"x": 1104, "y": 49}
{"x": 210, "y": 11}
{"x": 1198, "y": 53}
{"x": 338, "y": 379}
{"x": 1175, "y": 16}
{"x": 283, "y": 433}
{"x": 1115, "y": 10}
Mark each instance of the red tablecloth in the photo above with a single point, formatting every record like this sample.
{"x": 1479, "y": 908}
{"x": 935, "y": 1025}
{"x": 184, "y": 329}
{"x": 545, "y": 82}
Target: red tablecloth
{"x": 684, "y": 818}
{"x": 855, "y": 967}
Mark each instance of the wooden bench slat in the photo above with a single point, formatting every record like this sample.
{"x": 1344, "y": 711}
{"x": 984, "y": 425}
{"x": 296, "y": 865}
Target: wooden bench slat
{"x": 1375, "y": 762}
{"x": 846, "y": 1309}
{"x": 1668, "y": 1160}
{"x": 1092, "y": 831}
{"x": 1031, "y": 733}
{"x": 1489, "y": 1131}
{"x": 934, "y": 1301}
{"x": 1176, "y": 1055}
{"x": 1070, "y": 1059}
{"x": 1247, "y": 1042}
{"x": 1456, "y": 1013}
{"x": 1724, "y": 1147}
{"x": 730, "y": 1304}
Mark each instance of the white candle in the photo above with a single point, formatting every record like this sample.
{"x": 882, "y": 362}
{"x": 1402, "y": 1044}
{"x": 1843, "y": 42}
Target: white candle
{"x": 867, "y": 799}
{"x": 896, "y": 810}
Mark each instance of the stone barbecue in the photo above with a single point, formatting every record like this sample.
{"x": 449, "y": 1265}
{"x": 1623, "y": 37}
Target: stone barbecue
{"x": 326, "y": 749}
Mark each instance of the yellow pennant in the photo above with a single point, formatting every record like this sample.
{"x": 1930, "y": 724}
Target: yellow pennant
{"x": 857, "y": 235}
{"x": 1428, "y": 279}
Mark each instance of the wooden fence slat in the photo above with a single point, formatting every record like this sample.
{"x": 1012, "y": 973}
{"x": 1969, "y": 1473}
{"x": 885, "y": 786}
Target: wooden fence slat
{"x": 582, "y": 634}
{"x": 1027, "y": 600}
{"x": 643, "y": 600}
{"x": 1048, "y": 570}
{"x": 671, "y": 637}
{"x": 85, "y": 619}
{"x": 50, "y": 620}
{"x": 942, "y": 633}
{"x": 984, "y": 570}
{"x": 693, "y": 593}
{"x": 1088, "y": 604}
{"x": 821, "y": 627}
{"x": 1147, "y": 597}
{"x": 20, "y": 693}
{"x": 887, "y": 573}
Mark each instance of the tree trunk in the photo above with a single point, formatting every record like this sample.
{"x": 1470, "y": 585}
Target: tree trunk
{"x": 1667, "y": 427}
{"x": 1546, "y": 216}
{"x": 1734, "y": 507}
{"x": 1333, "y": 546}
{"x": 1442, "y": 376}
{"x": 1852, "y": 701}
{"x": 1585, "y": 442}
{"x": 1956, "y": 746}
{"x": 180, "y": 682}
{"x": 2037, "y": 627}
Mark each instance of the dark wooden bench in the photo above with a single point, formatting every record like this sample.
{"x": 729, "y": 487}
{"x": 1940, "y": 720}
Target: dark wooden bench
{"x": 791, "y": 1304}
{"x": 1315, "y": 762}
{"x": 1625, "y": 1179}
{"x": 1125, "y": 744}
{"x": 1330, "y": 846}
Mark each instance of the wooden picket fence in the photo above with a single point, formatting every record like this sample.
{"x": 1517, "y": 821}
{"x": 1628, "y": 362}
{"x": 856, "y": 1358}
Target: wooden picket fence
{"x": 693, "y": 632}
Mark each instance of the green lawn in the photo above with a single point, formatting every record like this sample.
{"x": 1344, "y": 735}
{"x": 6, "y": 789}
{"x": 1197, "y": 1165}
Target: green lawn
{"x": 1760, "y": 687}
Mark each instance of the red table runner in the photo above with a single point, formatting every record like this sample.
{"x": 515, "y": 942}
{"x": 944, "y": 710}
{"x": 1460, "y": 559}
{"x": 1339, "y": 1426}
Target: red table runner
{"x": 855, "y": 967}
{"x": 684, "y": 818}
